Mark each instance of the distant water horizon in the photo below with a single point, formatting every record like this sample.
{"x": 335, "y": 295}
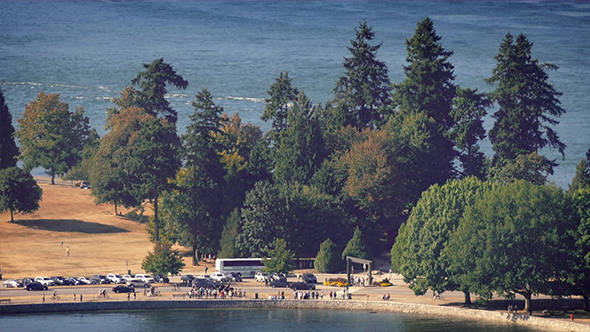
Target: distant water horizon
{"x": 89, "y": 51}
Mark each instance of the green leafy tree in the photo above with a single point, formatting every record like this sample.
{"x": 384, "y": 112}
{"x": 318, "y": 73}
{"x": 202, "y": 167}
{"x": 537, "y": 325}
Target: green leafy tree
{"x": 51, "y": 136}
{"x": 512, "y": 241}
{"x": 582, "y": 178}
{"x": 328, "y": 259}
{"x": 152, "y": 94}
{"x": 18, "y": 191}
{"x": 357, "y": 247}
{"x": 280, "y": 259}
{"x": 577, "y": 273}
{"x": 528, "y": 103}
{"x": 83, "y": 169}
{"x": 533, "y": 168}
{"x": 469, "y": 110}
{"x": 428, "y": 87}
{"x": 109, "y": 176}
{"x": 363, "y": 93}
{"x": 163, "y": 260}
{"x": 420, "y": 253}
{"x": 8, "y": 148}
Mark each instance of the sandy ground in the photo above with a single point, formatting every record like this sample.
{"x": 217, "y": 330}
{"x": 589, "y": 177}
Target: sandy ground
{"x": 106, "y": 243}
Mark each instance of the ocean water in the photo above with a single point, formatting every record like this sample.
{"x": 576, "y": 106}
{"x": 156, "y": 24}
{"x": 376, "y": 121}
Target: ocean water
{"x": 89, "y": 51}
{"x": 250, "y": 320}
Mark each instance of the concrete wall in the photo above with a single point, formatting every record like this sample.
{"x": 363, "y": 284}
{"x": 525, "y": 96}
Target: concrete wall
{"x": 421, "y": 309}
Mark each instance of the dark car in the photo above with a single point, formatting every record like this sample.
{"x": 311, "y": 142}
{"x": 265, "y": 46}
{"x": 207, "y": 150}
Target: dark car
{"x": 161, "y": 279}
{"x": 28, "y": 280}
{"x": 123, "y": 289}
{"x": 301, "y": 286}
{"x": 35, "y": 286}
{"x": 203, "y": 283}
{"x": 101, "y": 279}
{"x": 186, "y": 279}
{"x": 235, "y": 276}
{"x": 60, "y": 281}
{"x": 74, "y": 281}
{"x": 309, "y": 278}
{"x": 278, "y": 283}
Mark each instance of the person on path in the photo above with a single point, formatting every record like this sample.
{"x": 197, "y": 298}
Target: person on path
{"x": 206, "y": 269}
{"x": 572, "y": 317}
{"x": 67, "y": 251}
{"x": 80, "y": 297}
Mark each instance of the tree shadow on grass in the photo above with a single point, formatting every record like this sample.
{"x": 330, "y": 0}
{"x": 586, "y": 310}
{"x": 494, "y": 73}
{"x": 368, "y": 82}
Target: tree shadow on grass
{"x": 70, "y": 225}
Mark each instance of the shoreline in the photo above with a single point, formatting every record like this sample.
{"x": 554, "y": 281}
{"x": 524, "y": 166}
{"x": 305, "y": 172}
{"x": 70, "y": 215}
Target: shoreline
{"x": 390, "y": 306}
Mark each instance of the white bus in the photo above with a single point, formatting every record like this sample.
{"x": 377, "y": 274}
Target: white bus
{"x": 247, "y": 267}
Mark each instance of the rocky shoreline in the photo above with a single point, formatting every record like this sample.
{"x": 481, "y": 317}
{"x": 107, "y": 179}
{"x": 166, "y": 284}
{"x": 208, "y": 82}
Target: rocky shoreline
{"x": 392, "y": 306}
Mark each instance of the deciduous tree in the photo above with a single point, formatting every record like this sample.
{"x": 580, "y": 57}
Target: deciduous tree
{"x": 163, "y": 260}
{"x": 18, "y": 191}
{"x": 280, "y": 259}
{"x": 51, "y": 136}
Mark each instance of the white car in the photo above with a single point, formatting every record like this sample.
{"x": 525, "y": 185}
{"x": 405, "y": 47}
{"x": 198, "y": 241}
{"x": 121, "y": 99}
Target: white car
{"x": 85, "y": 280}
{"x": 136, "y": 282}
{"x": 220, "y": 277}
{"x": 45, "y": 281}
{"x": 127, "y": 277}
{"x": 145, "y": 278}
{"x": 115, "y": 278}
{"x": 205, "y": 276}
{"x": 261, "y": 276}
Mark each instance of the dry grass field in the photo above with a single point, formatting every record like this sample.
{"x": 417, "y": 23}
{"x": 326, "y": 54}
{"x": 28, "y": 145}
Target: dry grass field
{"x": 99, "y": 241}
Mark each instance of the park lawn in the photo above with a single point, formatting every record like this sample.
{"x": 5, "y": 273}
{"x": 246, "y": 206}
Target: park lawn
{"x": 99, "y": 241}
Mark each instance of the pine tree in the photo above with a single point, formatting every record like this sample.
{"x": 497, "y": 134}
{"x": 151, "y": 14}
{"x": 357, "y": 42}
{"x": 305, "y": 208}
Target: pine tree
{"x": 328, "y": 259}
{"x": 528, "y": 103}
{"x": 357, "y": 247}
{"x": 363, "y": 93}
{"x": 8, "y": 148}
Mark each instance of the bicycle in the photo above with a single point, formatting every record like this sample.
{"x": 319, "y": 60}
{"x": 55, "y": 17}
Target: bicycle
{"x": 54, "y": 298}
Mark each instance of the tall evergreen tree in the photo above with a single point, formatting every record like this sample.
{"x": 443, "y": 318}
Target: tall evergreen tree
{"x": 152, "y": 83}
{"x": 582, "y": 178}
{"x": 281, "y": 95}
{"x": 363, "y": 93}
{"x": 528, "y": 103}
{"x": 8, "y": 148}
{"x": 428, "y": 87}
{"x": 468, "y": 114}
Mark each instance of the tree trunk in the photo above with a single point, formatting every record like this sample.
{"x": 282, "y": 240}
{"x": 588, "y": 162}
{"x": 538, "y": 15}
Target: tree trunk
{"x": 116, "y": 212}
{"x": 53, "y": 179}
{"x": 586, "y": 297}
{"x": 195, "y": 254}
{"x": 527, "y": 302}
{"x": 156, "y": 223}
{"x": 467, "y": 298}
{"x": 11, "y": 215}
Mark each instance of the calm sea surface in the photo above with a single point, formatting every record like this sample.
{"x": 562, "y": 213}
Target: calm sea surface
{"x": 89, "y": 51}
{"x": 249, "y": 320}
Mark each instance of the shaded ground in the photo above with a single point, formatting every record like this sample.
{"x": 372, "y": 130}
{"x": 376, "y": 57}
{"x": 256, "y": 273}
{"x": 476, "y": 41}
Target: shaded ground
{"x": 70, "y": 225}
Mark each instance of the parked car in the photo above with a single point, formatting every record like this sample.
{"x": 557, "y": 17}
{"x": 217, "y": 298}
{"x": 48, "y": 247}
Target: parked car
{"x": 301, "y": 286}
{"x": 261, "y": 277}
{"x": 45, "y": 281}
{"x": 27, "y": 280}
{"x": 203, "y": 283}
{"x": 161, "y": 279}
{"x": 127, "y": 277}
{"x": 85, "y": 185}
{"x": 309, "y": 278}
{"x": 60, "y": 281}
{"x": 86, "y": 281}
{"x": 35, "y": 285}
{"x": 278, "y": 276}
{"x": 145, "y": 277}
{"x": 279, "y": 283}
{"x": 234, "y": 277}
{"x": 123, "y": 289}
{"x": 136, "y": 282}
{"x": 14, "y": 283}
{"x": 219, "y": 277}
{"x": 186, "y": 279}
{"x": 74, "y": 281}
{"x": 101, "y": 279}
{"x": 115, "y": 278}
